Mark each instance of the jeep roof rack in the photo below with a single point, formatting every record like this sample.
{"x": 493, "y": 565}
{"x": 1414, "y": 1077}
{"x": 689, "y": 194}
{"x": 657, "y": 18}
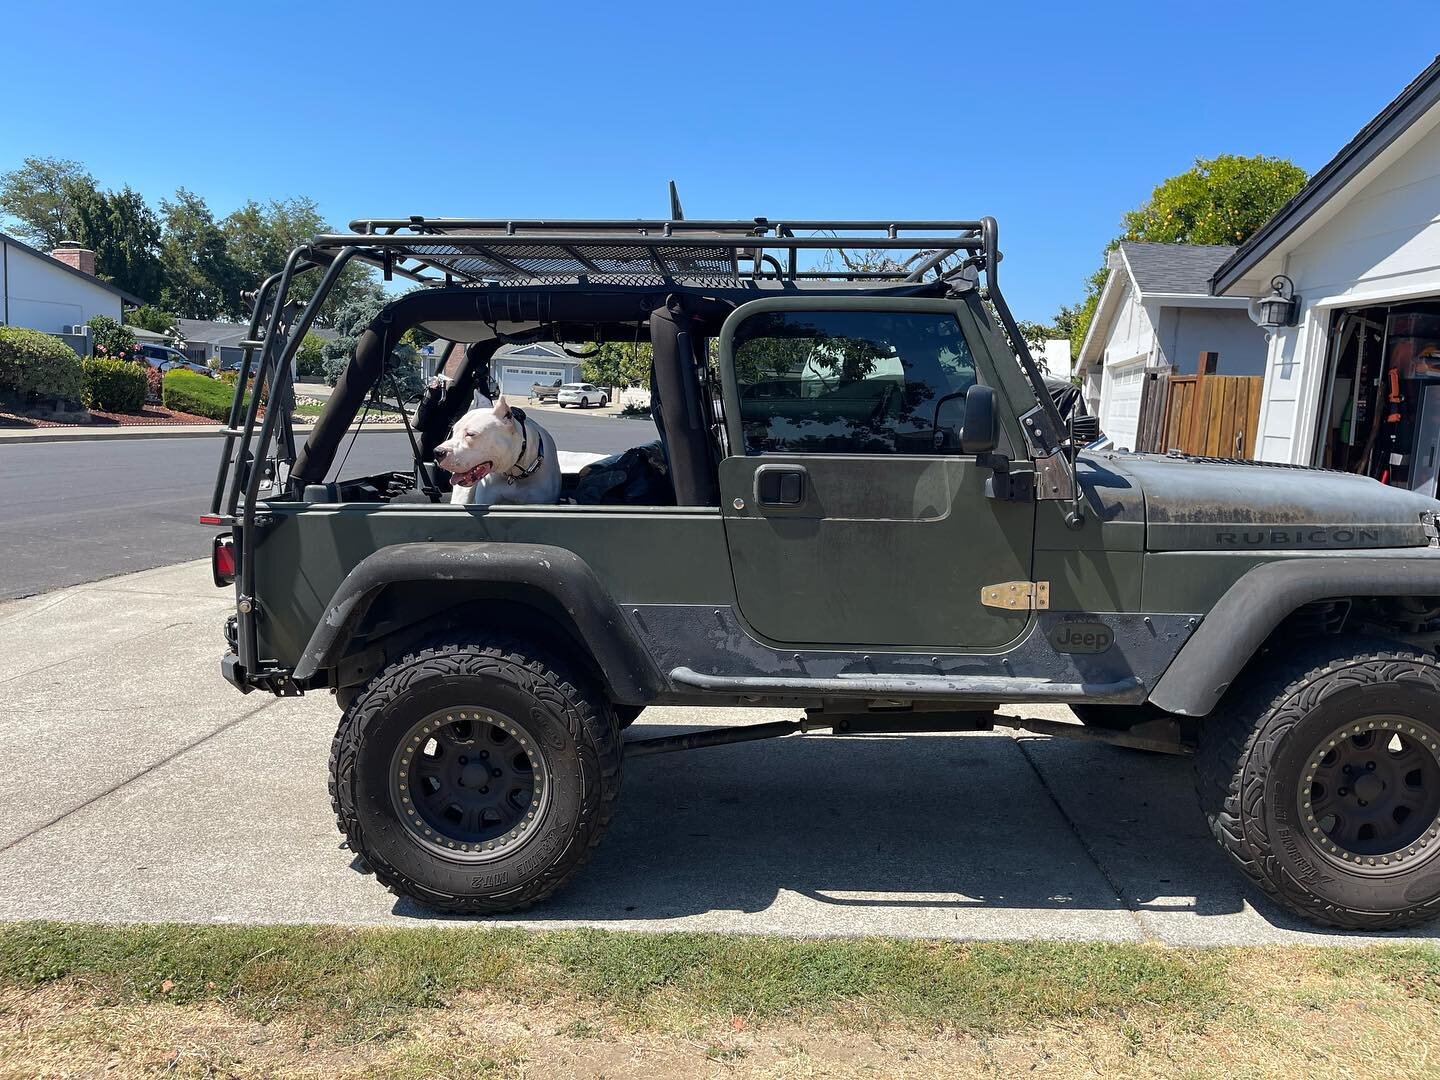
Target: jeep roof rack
{"x": 716, "y": 253}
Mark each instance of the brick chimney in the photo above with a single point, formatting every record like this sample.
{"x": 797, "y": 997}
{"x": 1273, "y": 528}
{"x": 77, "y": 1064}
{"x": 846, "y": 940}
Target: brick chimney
{"x": 72, "y": 254}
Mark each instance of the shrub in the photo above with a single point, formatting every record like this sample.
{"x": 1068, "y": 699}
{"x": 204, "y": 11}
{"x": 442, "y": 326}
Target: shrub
{"x": 114, "y": 385}
{"x": 33, "y": 364}
{"x": 153, "y": 318}
{"x": 113, "y": 340}
{"x": 154, "y": 391}
{"x": 191, "y": 392}
{"x": 310, "y": 358}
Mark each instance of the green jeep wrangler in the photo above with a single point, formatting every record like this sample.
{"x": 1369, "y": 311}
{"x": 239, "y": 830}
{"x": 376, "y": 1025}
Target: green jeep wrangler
{"x": 870, "y": 508}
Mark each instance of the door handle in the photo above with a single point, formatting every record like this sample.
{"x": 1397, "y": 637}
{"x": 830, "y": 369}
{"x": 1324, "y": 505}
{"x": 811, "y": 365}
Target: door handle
{"x": 780, "y": 485}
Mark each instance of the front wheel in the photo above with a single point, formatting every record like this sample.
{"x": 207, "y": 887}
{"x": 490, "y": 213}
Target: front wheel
{"x": 475, "y": 777}
{"x": 1320, "y": 776}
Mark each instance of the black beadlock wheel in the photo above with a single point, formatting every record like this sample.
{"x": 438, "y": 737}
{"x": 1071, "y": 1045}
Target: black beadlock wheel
{"x": 1320, "y": 775}
{"x": 475, "y": 777}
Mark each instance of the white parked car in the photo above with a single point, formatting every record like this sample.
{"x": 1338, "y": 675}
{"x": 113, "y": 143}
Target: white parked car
{"x": 167, "y": 359}
{"x": 583, "y": 394}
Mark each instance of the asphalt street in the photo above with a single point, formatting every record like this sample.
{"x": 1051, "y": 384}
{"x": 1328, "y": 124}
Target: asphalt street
{"x": 144, "y": 788}
{"x": 81, "y": 511}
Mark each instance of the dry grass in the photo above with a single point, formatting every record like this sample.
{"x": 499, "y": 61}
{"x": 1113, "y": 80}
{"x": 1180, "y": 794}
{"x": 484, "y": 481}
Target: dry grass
{"x": 80, "y": 1001}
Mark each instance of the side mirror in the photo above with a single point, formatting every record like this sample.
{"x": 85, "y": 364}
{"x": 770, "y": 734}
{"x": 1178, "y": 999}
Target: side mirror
{"x": 981, "y": 432}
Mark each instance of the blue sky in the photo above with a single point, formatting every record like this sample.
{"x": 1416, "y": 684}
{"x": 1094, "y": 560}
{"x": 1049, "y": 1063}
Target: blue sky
{"x": 1054, "y": 117}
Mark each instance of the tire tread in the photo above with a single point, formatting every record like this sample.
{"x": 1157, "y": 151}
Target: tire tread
{"x": 591, "y": 723}
{"x": 1250, "y": 721}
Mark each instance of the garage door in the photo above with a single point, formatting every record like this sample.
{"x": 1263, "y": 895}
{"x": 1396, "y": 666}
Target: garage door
{"x": 515, "y": 381}
{"x": 1120, "y": 402}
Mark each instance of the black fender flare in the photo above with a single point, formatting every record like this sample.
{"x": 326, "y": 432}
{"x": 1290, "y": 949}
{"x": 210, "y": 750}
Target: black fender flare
{"x": 558, "y": 573}
{"x": 1254, "y": 606}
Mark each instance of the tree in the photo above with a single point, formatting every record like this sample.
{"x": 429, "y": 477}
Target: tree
{"x": 259, "y": 239}
{"x": 153, "y": 319}
{"x": 123, "y": 232}
{"x": 618, "y": 363}
{"x": 39, "y": 196}
{"x": 201, "y": 280}
{"x": 1220, "y": 200}
{"x": 402, "y": 367}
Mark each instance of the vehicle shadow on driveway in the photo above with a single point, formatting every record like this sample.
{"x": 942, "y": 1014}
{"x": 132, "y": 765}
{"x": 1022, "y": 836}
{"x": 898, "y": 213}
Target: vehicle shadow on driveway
{"x": 910, "y": 834}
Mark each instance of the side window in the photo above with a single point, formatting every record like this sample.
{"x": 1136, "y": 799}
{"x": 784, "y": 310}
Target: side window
{"x": 852, "y": 382}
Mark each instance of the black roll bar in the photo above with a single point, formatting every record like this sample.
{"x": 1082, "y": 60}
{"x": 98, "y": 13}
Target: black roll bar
{"x": 275, "y": 374}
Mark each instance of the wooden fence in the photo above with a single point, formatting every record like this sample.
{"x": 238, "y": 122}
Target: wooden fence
{"x": 1211, "y": 415}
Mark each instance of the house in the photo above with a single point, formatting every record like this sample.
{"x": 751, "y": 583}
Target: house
{"x": 1157, "y": 309}
{"x": 518, "y": 367}
{"x": 54, "y": 292}
{"x": 206, "y": 340}
{"x": 1352, "y": 373}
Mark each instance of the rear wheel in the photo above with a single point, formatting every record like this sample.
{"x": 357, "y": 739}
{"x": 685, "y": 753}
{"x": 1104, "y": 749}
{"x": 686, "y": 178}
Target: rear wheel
{"x": 1320, "y": 776}
{"x": 584, "y": 402}
{"x": 475, "y": 777}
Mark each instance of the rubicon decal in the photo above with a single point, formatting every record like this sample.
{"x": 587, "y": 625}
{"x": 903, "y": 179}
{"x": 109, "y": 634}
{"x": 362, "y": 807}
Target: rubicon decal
{"x": 1340, "y": 537}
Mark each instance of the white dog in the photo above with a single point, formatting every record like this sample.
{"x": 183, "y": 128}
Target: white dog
{"x": 500, "y": 455}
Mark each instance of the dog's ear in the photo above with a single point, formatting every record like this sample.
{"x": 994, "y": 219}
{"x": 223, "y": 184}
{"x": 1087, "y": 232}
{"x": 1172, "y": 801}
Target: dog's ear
{"x": 502, "y": 407}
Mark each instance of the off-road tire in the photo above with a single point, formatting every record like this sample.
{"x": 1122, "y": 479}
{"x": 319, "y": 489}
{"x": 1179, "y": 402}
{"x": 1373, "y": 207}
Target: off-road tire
{"x": 568, "y": 723}
{"x": 1263, "y": 738}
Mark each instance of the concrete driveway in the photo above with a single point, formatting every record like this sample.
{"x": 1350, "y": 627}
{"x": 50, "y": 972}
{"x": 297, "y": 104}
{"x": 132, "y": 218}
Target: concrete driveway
{"x": 139, "y": 786}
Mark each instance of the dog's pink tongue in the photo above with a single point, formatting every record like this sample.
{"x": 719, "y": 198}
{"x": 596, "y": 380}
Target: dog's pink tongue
{"x": 474, "y": 476}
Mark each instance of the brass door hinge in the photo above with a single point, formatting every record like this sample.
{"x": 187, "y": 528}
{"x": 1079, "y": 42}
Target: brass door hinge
{"x": 1017, "y": 595}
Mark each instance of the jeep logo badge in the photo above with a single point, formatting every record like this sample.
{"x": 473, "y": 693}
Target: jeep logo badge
{"x": 1081, "y": 637}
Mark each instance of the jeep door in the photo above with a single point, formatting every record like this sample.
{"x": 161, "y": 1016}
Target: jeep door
{"x": 852, "y": 516}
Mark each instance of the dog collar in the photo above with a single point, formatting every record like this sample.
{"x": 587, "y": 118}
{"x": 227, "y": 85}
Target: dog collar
{"x": 515, "y": 473}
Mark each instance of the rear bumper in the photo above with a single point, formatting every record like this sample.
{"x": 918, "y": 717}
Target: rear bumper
{"x": 233, "y": 673}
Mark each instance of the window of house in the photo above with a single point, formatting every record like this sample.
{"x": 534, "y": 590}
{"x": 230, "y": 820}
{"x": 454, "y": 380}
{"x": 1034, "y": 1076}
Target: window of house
{"x": 852, "y": 382}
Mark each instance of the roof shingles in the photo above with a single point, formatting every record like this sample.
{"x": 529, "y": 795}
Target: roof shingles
{"x": 1183, "y": 269}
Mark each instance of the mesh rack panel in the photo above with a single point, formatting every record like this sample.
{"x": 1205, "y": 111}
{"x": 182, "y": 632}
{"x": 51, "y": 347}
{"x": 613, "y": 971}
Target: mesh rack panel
{"x": 558, "y": 263}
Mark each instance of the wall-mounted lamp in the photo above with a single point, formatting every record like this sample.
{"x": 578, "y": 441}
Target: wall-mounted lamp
{"x": 1280, "y": 308}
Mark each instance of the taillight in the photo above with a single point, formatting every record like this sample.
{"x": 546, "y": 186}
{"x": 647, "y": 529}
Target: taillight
{"x": 222, "y": 560}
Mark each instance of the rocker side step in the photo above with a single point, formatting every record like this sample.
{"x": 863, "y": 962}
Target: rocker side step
{"x": 978, "y": 688}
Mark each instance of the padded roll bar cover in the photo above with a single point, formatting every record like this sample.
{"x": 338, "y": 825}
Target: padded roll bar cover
{"x": 560, "y": 574}
{"x": 685, "y": 425}
{"x": 1255, "y": 605}
{"x": 313, "y": 460}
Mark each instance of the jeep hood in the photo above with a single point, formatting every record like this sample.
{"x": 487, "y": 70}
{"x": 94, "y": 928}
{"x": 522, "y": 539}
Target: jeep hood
{"x": 1192, "y": 505}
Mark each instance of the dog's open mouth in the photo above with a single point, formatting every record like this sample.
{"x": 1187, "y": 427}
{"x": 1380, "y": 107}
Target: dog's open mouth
{"x": 471, "y": 477}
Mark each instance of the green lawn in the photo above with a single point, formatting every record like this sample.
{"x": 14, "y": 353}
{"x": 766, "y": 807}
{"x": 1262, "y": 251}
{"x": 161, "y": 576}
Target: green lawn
{"x": 475, "y": 1001}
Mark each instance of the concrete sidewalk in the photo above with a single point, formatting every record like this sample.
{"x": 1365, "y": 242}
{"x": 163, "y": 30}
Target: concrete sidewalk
{"x": 141, "y": 787}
